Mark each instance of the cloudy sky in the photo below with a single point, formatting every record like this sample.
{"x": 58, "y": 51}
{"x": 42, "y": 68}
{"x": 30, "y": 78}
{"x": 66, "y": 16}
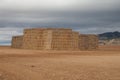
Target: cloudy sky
{"x": 85, "y": 16}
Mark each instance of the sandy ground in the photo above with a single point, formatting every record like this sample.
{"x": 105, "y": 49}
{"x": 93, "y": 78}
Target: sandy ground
{"x": 19, "y": 64}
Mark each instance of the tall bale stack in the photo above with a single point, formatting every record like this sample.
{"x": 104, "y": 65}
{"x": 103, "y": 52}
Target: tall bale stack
{"x": 27, "y": 39}
{"x": 83, "y": 42}
{"x": 61, "y": 39}
{"x": 93, "y": 41}
{"x": 33, "y": 38}
{"x": 17, "y": 41}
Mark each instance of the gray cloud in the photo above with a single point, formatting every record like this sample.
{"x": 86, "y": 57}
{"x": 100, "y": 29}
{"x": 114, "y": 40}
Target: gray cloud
{"x": 85, "y": 16}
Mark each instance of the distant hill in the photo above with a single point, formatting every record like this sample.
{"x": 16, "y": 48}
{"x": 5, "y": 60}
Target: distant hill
{"x": 109, "y": 35}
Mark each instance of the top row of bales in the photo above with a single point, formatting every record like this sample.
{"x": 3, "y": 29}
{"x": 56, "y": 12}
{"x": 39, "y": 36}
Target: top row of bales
{"x": 54, "y": 39}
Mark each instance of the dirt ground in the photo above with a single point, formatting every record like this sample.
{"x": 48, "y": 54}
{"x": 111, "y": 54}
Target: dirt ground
{"x": 20, "y": 64}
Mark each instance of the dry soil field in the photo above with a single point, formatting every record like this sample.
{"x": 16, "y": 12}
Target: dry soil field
{"x": 18, "y": 64}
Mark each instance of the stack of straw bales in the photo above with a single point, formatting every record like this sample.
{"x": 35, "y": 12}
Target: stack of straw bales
{"x": 54, "y": 39}
{"x": 88, "y": 42}
{"x": 64, "y": 39}
{"x": 17, "y": 41}
{"x": 93, "y": 42}
{"x": 33, "y": 39}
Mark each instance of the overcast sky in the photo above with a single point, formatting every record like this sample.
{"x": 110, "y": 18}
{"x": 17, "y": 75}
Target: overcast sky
{"x": 85, "y": 16}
